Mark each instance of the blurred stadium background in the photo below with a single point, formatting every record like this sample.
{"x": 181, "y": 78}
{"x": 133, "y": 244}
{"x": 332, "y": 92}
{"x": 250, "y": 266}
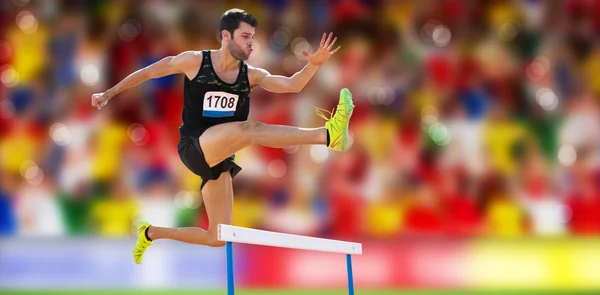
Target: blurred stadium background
{"x": 474, "y": 167}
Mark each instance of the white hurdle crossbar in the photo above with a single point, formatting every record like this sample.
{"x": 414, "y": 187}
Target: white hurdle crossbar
{"x": 235, "y": 234}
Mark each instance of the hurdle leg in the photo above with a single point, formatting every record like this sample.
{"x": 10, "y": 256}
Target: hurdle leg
{"x": 350, "y": 279}
{"x": 230, "y": 288}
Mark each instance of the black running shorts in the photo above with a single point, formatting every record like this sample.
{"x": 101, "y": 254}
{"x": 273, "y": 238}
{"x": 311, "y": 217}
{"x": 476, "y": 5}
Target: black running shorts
{"x": 192, "y": 157}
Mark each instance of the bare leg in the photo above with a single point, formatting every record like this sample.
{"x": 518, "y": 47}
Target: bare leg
{"x": 221, "y": 141}
{"x": 218, "y": 199}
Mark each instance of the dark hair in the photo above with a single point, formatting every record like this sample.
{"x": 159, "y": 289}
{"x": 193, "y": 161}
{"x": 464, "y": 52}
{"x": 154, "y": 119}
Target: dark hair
{"x": 230, "y": 20}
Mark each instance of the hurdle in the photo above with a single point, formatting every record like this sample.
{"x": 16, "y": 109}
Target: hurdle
{"x": 234, "y": 234}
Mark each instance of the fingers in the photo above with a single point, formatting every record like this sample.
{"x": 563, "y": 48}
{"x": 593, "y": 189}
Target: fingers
{"x": 336, "y": 50}
{"x": 98, "y": 102}
{"x": 332, "y": 43}
{"x": 95, "y": 100}
{"x": 101, "y": 104}
{"x": 327, "y": 43}
{"x": 328, "y": 40}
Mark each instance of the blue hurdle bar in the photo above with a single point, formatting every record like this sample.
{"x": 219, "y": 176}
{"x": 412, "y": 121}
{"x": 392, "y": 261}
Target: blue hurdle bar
{"x": 350, "y": 279}
{"x": 230, "y": 284}
{"x": 230, "y": 289}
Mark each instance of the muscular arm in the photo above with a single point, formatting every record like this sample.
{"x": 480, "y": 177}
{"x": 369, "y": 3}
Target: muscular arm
{"x": 295, "y": 83}
{"x": 283, "y": 84}
{"x": 155, "y": 70}
{"x": 164, "y": 67}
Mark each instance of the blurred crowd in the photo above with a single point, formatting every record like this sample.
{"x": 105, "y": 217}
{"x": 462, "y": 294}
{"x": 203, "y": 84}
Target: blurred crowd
{"x": 472, "y": 119}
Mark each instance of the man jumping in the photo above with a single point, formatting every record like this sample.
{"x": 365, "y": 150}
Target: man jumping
{"x": 217, "y": 86}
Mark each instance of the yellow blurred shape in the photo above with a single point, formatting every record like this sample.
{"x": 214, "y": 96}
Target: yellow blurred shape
{"x": 114, "y": 216}
{"x": 505, "y": 218}
{"x": 189, "y": 180}
{"x": 400, "y": 13}
{"x": 109, "y": 147}
{"x": 16, "y": 150}
{"x": 29, "y": 52}
{"x": 385, "y": 219}
{"x": 378, "y": 136}
{"x": 249, "y": 211}
{"x": 590, "y": 69}
{"x": 579, "y": 264}
{"x": 502, "y": 12}
{"x": 499, "y": 138}
{"x": 535, "y": 264}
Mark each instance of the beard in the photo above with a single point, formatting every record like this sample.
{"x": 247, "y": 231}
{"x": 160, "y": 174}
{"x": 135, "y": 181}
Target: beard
{"x": 237, "y": 51}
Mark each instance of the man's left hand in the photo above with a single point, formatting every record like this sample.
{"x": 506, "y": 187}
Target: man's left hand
{"x": 324, "y": 52}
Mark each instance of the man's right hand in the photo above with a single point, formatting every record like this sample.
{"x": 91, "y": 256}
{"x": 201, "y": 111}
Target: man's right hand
{"x": 99, "y": 100}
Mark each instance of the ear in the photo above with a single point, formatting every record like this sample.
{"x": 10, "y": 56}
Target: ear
{"x": 226, "y": 35}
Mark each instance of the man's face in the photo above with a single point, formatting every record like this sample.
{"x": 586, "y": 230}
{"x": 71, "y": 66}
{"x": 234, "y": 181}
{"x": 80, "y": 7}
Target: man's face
{"x": 240, "y": 46}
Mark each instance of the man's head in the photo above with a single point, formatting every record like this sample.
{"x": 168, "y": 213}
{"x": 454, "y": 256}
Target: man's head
{"x": 236, "y": 31}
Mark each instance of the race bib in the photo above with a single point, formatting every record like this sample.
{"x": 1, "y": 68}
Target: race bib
{"x": 218, "y": 104}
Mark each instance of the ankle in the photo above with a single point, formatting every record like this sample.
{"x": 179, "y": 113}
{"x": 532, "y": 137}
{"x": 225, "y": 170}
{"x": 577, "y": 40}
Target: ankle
{"x": 150, "y": 234}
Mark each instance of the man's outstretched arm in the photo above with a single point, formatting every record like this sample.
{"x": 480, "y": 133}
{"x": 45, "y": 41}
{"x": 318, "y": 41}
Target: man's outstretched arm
{"x": 295, "y": 83}
{"x": 164, "y": 67}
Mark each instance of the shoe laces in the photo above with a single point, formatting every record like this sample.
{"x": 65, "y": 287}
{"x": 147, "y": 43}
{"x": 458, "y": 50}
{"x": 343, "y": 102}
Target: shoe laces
{"x": 332, "y": 115}
{"x": 323, "y": 113}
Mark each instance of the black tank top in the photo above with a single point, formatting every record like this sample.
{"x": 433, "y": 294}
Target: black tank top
{"x": 208, "y": 101}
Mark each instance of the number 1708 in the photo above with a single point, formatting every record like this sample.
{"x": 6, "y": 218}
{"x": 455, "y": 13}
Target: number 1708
{"x": 225, "y": 102}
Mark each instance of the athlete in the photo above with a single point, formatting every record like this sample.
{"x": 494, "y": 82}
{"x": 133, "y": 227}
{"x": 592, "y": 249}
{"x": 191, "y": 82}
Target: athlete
{"x": 217, "y": 86}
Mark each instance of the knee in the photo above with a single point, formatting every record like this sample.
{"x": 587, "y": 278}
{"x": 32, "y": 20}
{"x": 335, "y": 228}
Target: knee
{"x": 216, "y": 243}
{"x": 213, "y": 239}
